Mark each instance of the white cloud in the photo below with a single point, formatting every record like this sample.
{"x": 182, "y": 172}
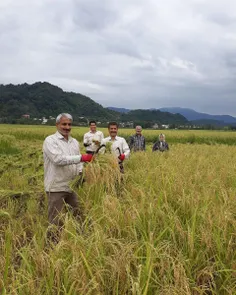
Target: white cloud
{"x": 130, "y": 53}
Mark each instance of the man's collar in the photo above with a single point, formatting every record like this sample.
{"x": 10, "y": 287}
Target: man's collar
{"x": 111, "y": 138}
{"x": 60, "y": 136}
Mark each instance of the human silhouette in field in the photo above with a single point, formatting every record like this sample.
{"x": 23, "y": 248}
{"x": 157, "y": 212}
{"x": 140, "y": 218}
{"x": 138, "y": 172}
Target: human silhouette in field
{"x": 161, "y": 145}
{"x": 137, "y": 141}
{"x": 93, "y": 138}
{"x": 119, "y": 146}
{"x": 62, "y": 163}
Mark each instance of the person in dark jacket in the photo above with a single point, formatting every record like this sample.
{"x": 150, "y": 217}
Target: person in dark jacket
{"x": 137, "y": 141}
{"x": 160, "y": 145}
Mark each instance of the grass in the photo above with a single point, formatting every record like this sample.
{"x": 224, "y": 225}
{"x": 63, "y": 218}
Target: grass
{"x": 7, "y": 145}
{"x": 167, "y": 227}
{"x": 38, "y": 132}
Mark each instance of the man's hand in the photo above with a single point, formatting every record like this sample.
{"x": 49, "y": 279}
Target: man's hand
{"x": 96, "y": 142}
{"x": 122, "y": 157}
{"x": 87, "y": 144}
{"x": 86, "y": 158}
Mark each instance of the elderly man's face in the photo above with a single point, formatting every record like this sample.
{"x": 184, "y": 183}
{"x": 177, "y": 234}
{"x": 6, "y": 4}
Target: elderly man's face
{"x": 64, "y": 126}
{"x": 138, "y": 131}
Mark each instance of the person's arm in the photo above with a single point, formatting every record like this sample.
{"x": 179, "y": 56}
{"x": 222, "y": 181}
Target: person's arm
{"x": 167, "y": 146}
{"x": 86, "y": 140}
{"x": 144, "y": 144}
{"x": 103, "y": 147}
{"x": 102, "y": 136}
{"x": 155, "y": 147}
{"x": 131, "y": 142}
{"x": 53, "y": 152}
{"x": 126, "y": 149}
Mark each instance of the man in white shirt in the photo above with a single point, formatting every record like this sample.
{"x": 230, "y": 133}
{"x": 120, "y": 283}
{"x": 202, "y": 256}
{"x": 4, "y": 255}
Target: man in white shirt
{"x": 93, "y": 138}
{"x": 119, "y": 145}
{"x": 62, "y": 163}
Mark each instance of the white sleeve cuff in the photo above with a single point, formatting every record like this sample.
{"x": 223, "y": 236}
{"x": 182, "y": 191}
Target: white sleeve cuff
{"x": 73, "y": 159}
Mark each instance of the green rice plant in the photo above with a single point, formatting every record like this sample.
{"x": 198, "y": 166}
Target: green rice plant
{"x": 209, "y": 137}
{"x": 167, "y": 226}
{"x": 8, "y": 145}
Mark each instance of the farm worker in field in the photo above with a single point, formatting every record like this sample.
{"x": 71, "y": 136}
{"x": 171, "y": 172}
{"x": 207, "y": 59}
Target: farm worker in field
{"x": 62, "y": 163}
{"x": 119, "y": 146}
{"x": 137, "y": 141}
{"x": 161, "y": 145}
{"x": 93, "y": 138}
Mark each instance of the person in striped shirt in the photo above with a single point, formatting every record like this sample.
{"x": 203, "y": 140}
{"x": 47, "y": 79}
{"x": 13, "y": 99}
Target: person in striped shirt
{"x": 62, "y": 163}
{"x": 137, "y": 141}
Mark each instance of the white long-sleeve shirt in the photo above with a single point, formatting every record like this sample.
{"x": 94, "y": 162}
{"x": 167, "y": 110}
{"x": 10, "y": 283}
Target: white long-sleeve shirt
{"x": 61, "y": 162}
{"x": 118, "y": 142}
{"x": 89, "y": 137}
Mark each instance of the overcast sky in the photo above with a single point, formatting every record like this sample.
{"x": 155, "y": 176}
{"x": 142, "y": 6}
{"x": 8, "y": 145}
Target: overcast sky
{"x": 125, "y": 53}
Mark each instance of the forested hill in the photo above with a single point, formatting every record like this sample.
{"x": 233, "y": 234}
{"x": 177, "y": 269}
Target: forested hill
{"x": 42, "y": 99}
{"x": 153, "y": 116}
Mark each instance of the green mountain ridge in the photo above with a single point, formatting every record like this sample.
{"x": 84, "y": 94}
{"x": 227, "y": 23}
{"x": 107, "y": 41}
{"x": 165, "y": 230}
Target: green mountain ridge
{"x": 42, "y": 99}
{"x": 153, "y": 116}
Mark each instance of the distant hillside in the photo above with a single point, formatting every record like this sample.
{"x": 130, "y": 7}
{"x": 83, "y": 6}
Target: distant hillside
{"x": 44, "y": 100}
{"x": 205, "y": 122}
{"x": 192, "y": 115}
{"x": 154, "y": 116}
{"x": 119, "y": 110}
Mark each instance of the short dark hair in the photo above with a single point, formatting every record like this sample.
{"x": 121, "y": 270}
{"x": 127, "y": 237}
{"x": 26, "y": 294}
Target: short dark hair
{"x": 92, "y": 122}
{"x": 112, "y": 124}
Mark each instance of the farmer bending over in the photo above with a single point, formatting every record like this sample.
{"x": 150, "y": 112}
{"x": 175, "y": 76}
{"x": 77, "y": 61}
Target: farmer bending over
{"x": 62, "y": 163}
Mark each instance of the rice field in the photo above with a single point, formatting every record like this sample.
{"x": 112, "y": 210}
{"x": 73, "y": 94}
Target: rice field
{"x": 168, "y": 226}
{"x": 26, "y": 132}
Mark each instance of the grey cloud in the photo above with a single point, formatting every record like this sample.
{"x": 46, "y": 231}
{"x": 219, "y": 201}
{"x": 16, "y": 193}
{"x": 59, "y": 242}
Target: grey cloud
{"x": 92, "y": 14}
{"x": 222, "y": 19}
{"x": 131, "y": 54}
{"x": 230, "y": 61}
{"x": 122, "y": 45}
